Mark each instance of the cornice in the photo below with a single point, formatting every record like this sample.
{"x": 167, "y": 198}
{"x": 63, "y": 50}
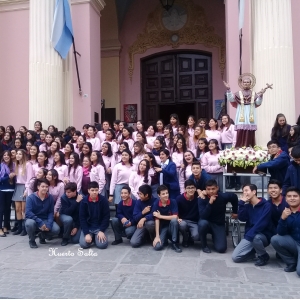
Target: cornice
{"x": 13, "y": 5}
{"x": 98, "y": 5}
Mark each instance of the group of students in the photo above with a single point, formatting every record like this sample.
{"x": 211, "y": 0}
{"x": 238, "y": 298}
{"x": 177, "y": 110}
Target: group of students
{"x": 162, "y": 179}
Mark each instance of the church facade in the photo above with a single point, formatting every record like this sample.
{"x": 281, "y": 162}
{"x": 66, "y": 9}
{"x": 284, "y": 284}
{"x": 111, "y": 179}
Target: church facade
{"x": 140, "y": 61}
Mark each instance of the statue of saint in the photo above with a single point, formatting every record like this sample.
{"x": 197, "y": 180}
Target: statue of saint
{"x": 246, "y": 101}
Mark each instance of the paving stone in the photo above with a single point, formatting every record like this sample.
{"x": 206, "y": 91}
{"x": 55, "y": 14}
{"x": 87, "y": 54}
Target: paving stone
{"x": 258, "y": 275}
{"x": 144, "y": 255}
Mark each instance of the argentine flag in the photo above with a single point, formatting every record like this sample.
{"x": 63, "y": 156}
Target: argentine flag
{"x": 62, "y": 30}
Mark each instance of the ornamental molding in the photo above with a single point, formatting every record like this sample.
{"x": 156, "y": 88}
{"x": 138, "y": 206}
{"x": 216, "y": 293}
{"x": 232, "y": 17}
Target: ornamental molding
{"x": 98, "y": 5}
{"x": 13, "y": 5}
{"x": 196, "y": 31}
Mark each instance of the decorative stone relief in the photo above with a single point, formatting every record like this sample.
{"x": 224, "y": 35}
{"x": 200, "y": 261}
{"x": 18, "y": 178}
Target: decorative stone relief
{"x": 192, "y": 28}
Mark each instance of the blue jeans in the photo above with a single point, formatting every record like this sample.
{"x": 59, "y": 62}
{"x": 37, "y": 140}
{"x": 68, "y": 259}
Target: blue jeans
{"x": 68, "y": 225}
{"x": 31, "y": 228}
{"x": 101, "y": 245}
{"x": 118, "y": 229}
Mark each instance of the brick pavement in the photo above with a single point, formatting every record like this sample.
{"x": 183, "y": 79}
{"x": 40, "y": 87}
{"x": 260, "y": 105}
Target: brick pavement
{"x": 123, "y": 272}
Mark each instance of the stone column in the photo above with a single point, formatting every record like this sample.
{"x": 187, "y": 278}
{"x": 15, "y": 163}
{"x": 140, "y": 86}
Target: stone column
{"x": 273, "y": 63}
{"x": 47, "y": 85}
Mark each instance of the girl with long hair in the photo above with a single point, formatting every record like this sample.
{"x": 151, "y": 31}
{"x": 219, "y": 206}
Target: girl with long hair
{"x": 98, "y": 171}
{"x": 7, "y": 186}
{"x": 120, "y": 176}
{"x": 127, "y": 137}
{"x": 30, "y": 136}
{"x": 138, "y": 153}
{"x": 210, "y": 162}
{"x": 75, "y": 172}
{"x": 52, "y": 129}
{"x": 139, "y": 177}
{"x": 294, "y": 136}
{"x": 152, "y": 173}
{"x": 202, "y": 148}
{"x": 6, "y": 143}
{"x": 177, "y": 155}
{"x": 140, "y": 127}
{"x": 151, "y": 137}
{"x": 160, "y": 128}
{"x": 23, "y": 173}
{"x": 11, "y": 130}
{"x": 118, "y": 155}
{"x": 213, "y": 131}
{"x": 199, "y": 133}
{"x": 228, "y": 134}
{"x": 101, "y": 135}
{"x": 184, "y": 132}
{"x": 86, "y": 150}
{"x": 38, "y": 127}
{"x": 158, "y": 145}
{"x": 23, "y": 129}
{"x": 68, "y": 150}
{"x": 117, "y": 131}
{"x": 110, "y": 138}
{"x": 60, "y": 165}
{"x": 2, "y": 131}
{"x": 74, "y": 138}
{"x": 280, "y": 132}
{"x": 32, "y": 186}
{"x": 186, "y": 169}
{"x": 28, "y": 146}
{"x": 168, "y": 135}
{"x": 191, "y": 123}
{"x": 45, "y": 146}
{"x": 86, "y": 171}
{"x": 42, "y": 162}
{"x": 53, "y": 148}
{"x": 109, "y": 161}
{"x": 91, "y": 132}
{"x": 42, "y": 138}
{"x": 79, "y": 144}
{"x": 18, "y": 144}
{"x": 174, "y": 122}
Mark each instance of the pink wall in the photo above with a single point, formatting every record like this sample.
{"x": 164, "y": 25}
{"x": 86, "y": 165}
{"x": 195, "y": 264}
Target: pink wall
{"x": 86, "y": 26}
{"x": 296, "y": 45}
{"x": 14, "y": 68}
{"x": 134, "y": 24}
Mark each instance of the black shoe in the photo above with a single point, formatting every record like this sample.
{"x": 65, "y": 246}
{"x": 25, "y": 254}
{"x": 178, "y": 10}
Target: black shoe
{"x": 185, "y": 244}
{"x": 41, "y": 238}
{"x": 290, "y": 268}
{"x": 176, "y": 248}
{"x": 117, "y": 242}
{"x": 33, "y": 244}
{"x": 206, "y": 249}
{"x": 19, "y": 231}
{"x": 3, "y": 234}
{"x": 64, "y": 242}
{"x": 15, "y": 228}
{"x": 262, "y": 260}
{"x": 237, "y": 187}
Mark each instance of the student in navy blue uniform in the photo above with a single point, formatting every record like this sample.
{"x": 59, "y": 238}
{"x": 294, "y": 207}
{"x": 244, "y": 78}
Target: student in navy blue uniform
{"x": 212, "y": 211}
{"x": 69, "y": 214}
{"x": 39, "y": 214}
{"x": 199, "y": 176}
{"x": 277, "y": 200}
{"x": 257, "y": 213}
{"x": 188, "y": 214}
{"x": 277, "y": 165}
{"x": 165, "y": 212}
{"x": 94, "y": 218}
{"x": 124, "y": 222}
{"x": 143, "y": 216}
{"x": 287, "y": 241}
{"x": 168, "y": 174}
{"x": 292, "y": 177}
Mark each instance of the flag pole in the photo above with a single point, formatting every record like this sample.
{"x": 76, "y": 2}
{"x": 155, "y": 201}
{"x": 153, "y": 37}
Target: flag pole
{"x": 241, "y": 47}
{"x": 75, "y": 55}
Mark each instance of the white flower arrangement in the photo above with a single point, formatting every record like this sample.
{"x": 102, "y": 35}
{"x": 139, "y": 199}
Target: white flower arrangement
{"x": 243, "y": 157}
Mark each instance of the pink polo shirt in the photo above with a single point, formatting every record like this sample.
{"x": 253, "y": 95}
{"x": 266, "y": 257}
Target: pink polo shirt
{"x": 120, "y": 174}
{"x": 135, "y": 181}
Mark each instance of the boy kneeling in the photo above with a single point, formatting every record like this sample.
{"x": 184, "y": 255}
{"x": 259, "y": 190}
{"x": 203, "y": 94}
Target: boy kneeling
{"x": 165, "y": 212}
{"x": 94, "y": 218}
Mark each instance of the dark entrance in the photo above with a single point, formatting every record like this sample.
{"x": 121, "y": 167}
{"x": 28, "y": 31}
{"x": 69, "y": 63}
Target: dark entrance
{"x": 176, "y": 83}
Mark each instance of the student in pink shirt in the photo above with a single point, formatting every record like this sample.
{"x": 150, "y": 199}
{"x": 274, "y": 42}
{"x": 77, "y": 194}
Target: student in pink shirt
{"x": 179, "y": 149}
{"x": 79, "y": 144}
{"x": 213, "y": 132}
{"x": 53, "y": 148}
{"x": 68, "y": 150}
{"x": 138, "y": 153}
{"x": 191, "y": 123}
{"x": 210, "y": 163}
{"x": 140, "y": 127}
{"x": 118, "y": 133}
{"x": 86, "y": 179}
{"x": 98, "y": 171}
{"x": 184, "y": 132}
{"x": 32, "y": 186}
{"x": 127, "y": 137}
{"x": 101, "y": 135}
{"x": 202, "y": 148}
{"x": 139, "y": 177}
{"x": 168, "y": 135}
{"x": 92, "y": 138}
{"x": 153, "y": 174}
{"x": 33, "y": 154}
{"x": 120, "y": 176}
{"x": 42, "y": 162}
{"x": 56, "y": 189}
{"x": 160, "y": 128}
{"x": 86, "y": 150}
{"x": 141, "y": 137}
{"x": 151, "y": 137}
{"x": 75, "y": 171}
{"x": 110, "y": 138}
{"x": 109, "y": 161}
{"x": 43, "y": 135}
{"x": 186, "y": 169}
{"x": 159, "y": 144}
{"x": 23, "y": 173}
{"x": 228, "y": 134}
{"x": 199, "y": 133}
{"x": 174, "y": 122}
{"x": 60, "y": 166}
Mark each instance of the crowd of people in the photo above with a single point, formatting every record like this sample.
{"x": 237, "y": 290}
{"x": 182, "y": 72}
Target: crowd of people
{"x": 162, "y": 180}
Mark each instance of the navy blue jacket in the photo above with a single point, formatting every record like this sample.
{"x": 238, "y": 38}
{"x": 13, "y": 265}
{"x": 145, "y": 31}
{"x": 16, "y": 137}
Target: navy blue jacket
{"x": 282, "y": 140}
{"x": 258, "y": 219}
{"x": 277, "y": 167}
{"x": 170, "y": 179}
{"x": 70, "y": 207}
{"x": 139, "y": 207}
{"x": 86, "y": 212}
{"x": 41, "y": 211}
{"x": 292, "y": 177}
{"x": 290, "y": 226}
{"x": 168, "y": 210}
{"x": 215, "y": 212}
{"x": 4, "y": 181}
{"x": 126, "y": 211}
{"x": 277, "y": 211}
{"x": 188, "y": 209}
{"x": 200, "y": 184}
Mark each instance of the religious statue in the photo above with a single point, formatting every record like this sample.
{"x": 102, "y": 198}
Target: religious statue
{"x": 246, "y": 101}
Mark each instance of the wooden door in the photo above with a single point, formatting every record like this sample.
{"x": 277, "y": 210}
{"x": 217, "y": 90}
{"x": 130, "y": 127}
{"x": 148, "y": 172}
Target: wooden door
{"x": 171, "y": 80}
